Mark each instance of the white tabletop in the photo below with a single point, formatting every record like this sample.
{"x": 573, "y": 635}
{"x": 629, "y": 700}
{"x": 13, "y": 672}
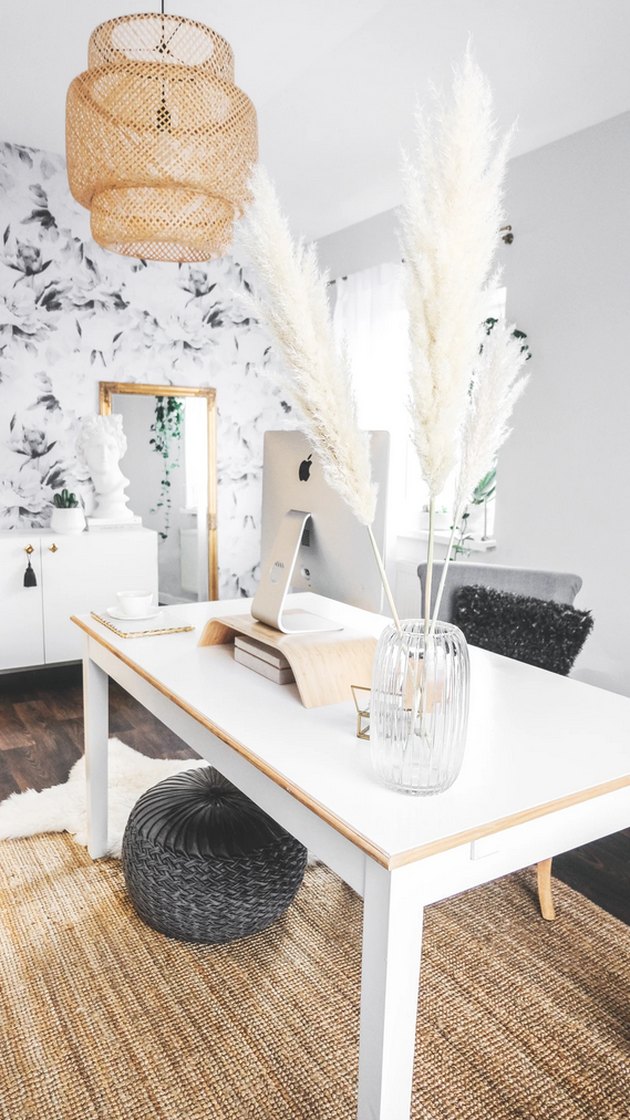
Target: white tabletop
{"x": 534, "y": 738}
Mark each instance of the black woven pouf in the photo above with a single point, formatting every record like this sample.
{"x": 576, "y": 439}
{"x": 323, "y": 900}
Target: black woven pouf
{"x": 203, "y": 863}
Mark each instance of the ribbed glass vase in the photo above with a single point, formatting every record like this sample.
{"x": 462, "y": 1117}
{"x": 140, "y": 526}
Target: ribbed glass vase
{"x": 419, "y": 706}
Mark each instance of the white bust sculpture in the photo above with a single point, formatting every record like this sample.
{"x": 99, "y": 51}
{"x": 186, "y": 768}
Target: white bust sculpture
{"x": 101, "y": 444}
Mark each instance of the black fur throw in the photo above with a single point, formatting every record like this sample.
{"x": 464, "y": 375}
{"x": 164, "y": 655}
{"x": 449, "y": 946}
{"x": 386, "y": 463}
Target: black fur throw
{"x": 537, "y": 631}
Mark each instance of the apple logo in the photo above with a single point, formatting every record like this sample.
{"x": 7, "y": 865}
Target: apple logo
{"x": 305, "y": 469}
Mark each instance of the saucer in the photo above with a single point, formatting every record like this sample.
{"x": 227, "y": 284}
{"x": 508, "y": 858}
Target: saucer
{"x": 115, "y": 612}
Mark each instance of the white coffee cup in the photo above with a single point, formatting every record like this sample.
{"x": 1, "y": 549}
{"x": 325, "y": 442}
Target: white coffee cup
{"x": 135, "y": 604}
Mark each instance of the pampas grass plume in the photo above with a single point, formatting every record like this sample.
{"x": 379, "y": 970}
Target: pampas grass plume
{"x": 496, "y": 388}
{"x": 449, "y": 222}
{"x": 291, "y": 299}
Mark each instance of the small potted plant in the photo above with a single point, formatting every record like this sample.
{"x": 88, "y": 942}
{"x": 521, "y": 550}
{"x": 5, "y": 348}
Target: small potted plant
{"x": 67, "y": 515}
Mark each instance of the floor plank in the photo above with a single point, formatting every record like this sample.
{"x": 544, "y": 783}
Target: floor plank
{"x": 41, "y": 737}
{"x": 13, "y": 733}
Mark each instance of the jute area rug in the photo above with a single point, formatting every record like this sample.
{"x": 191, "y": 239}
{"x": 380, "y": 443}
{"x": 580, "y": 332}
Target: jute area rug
{"x": 101, "y": 1017}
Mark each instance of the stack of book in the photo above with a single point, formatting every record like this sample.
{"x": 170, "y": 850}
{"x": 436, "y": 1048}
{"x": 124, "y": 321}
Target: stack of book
{"x": 262, "y": 659}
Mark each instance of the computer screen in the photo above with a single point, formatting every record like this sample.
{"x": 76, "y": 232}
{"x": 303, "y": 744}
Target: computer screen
{"x": 335, "y": 557}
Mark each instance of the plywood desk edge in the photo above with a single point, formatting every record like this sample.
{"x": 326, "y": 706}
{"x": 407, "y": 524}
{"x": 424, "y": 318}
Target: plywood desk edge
{"x": 503, "y": 823}
{"x": 296, "y": 791}
{"x": 401, "y": 859}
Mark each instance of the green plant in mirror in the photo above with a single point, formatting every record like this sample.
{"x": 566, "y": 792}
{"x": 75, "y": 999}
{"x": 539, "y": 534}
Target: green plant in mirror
{"x": 64, "y": 499}
{"x": 166, "y": 440}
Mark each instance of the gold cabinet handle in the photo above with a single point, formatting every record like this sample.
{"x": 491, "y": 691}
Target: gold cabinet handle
{"x": 53, "y": 548}
{"x": 29, "y": 548}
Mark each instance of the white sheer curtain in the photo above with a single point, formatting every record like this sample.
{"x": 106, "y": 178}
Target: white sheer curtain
{"x": 195, "y": 452}
{"x": 369, "y": 317}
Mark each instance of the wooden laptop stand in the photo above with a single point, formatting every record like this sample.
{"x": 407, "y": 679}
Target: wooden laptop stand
{"x": 325, "y": 664}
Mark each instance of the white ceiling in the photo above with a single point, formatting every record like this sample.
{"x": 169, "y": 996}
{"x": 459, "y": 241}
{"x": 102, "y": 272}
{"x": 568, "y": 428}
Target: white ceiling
{"x": 335, "y": 82}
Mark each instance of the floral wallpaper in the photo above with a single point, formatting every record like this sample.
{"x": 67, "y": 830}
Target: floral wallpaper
{"x": 72, "y": 314}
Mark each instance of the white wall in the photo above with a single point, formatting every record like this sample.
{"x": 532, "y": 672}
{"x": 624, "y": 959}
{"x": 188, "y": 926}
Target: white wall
{"x": 563, "y": 475}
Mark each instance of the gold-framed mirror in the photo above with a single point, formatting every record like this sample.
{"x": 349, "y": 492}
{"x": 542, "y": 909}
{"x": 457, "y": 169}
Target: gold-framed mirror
{"x": 171, "y": 464}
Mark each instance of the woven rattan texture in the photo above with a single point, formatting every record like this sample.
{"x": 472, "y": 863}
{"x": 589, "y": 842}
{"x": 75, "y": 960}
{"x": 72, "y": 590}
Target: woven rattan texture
{"x": 103, "y": 1018}
{"x": 159, "y": 140}
{"x": 203, "y": 863}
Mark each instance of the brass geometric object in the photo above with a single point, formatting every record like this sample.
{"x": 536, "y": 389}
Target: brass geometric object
{"x": 159, "y": 141}
{"x": 362, "y": 695}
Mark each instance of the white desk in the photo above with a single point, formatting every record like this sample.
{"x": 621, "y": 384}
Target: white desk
{"x": 547, "y": 767}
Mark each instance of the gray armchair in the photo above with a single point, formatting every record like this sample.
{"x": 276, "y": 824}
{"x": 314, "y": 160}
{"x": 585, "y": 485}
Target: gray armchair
{"x": 560, "y": 587}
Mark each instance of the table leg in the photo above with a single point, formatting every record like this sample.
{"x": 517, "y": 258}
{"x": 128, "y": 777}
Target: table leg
{"x": 390, "y": 974}
{"x": 545, "y": 893}
{"x": 96, "y": 719}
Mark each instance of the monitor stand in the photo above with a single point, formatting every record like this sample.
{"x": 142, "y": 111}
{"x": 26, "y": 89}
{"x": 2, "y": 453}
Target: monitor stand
{"x": 275, "y": 581}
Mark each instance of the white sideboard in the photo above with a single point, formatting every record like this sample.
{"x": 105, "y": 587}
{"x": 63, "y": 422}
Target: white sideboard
{"x": 74, "y": 574}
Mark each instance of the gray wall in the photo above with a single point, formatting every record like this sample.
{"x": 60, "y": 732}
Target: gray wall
{"x": 367, "y": 243}
{"x": 563, "y": 475}
{"x": 563, "y": 498}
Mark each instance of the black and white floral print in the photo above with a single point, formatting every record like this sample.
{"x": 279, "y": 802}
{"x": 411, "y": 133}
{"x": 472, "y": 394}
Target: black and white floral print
{"x": 72, "y": 314}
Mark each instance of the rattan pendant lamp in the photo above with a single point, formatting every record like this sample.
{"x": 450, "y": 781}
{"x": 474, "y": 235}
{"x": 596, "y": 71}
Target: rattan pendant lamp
{"x": 159, "y": 139}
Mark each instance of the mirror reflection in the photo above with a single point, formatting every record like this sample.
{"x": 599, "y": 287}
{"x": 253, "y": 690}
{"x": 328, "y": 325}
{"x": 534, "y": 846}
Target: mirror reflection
{"x": 170, "y": 463}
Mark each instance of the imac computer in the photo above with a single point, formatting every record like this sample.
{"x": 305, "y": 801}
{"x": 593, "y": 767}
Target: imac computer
{"x": 311, "y": 540}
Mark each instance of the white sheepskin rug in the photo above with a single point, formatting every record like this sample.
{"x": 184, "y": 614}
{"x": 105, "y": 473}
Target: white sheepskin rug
{"x": 63, "y": 808}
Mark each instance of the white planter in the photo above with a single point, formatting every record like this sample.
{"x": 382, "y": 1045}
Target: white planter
{"x": 67, "y": 520}
{"x": 441, "y": 521}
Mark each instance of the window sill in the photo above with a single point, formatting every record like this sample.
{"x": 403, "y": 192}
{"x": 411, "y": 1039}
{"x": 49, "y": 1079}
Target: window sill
{"x": 442, "y": 537}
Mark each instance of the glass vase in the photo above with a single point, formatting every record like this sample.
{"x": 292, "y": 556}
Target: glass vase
{"x": 419, "y": 706}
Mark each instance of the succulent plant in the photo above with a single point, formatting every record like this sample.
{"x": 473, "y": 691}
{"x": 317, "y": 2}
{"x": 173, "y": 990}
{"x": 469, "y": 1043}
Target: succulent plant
{"x": 65, "y": 500}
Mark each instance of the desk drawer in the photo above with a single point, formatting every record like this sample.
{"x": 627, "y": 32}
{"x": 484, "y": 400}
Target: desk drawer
{"x": 496, "y": 854}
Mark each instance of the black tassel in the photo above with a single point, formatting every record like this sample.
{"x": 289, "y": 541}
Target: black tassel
{"x": 30, "y": 580}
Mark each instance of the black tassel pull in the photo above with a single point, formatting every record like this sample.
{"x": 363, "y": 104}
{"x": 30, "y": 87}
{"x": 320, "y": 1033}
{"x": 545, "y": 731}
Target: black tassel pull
{"x": 30, "y": 579}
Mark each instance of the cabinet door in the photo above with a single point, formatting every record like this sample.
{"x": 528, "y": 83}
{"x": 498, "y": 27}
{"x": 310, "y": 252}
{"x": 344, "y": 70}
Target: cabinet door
{"x": 83, "y": 574}
{"x": 21, "y": 627}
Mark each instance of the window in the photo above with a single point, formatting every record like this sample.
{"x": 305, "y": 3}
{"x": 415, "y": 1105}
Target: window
{"x": 370, "y": 317}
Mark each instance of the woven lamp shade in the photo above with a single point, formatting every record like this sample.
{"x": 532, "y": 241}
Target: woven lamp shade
{"x": 159, "y": 140}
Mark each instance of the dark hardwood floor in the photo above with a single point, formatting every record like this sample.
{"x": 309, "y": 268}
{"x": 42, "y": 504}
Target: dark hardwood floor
{"x": 41, "y": 727}
{"x": 41, "y": 737}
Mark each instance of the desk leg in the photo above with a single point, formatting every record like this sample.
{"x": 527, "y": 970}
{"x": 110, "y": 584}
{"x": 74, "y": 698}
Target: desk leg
{"x": 96, "y": 717}
{"x": 390, "y": 974}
